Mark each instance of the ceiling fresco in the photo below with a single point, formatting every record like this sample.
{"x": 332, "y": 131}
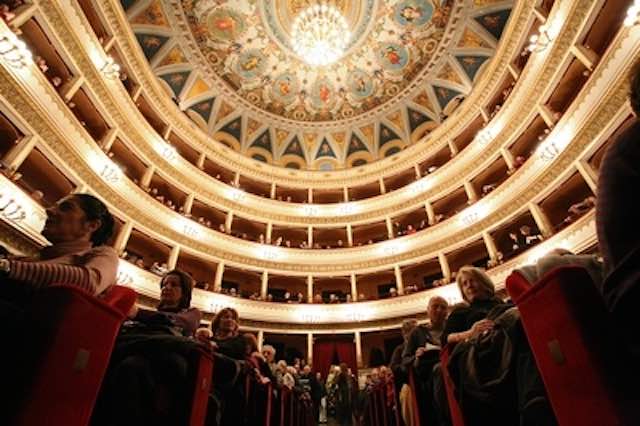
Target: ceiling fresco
{"x": 232, "y": 68}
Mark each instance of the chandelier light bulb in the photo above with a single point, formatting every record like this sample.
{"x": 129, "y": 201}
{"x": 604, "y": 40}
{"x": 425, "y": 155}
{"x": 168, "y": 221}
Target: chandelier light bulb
{"x": 320, "y": 35}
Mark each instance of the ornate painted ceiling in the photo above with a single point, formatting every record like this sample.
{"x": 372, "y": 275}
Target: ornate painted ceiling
{"x": 231, "y": 67}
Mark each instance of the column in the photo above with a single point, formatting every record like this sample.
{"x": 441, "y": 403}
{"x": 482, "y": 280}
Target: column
{"x": 390, "y": 234}
{"x": 108, "y": 139}
{"x": 310, "y": 236}
{"x": 383, "y": 189}
{"x": 166, "y": 132}
{"x": 23, "y": 14}
{"x": 310, "y": 348}
{"x": 217, "y": 281}
{"x": 399, "y": 282}
{"x": 260, "y": 340}
{"x": 508, "y": 158}
{"x": 272, "y": 192}
{"x": 431, "y": 214}
{"x": 71, "y": 87}
{"x": 540, "y": 15}
{"x": 264, "y": 287}
{"x": 310, "y": 289}
{"x": 236, "y": 179}
{"x": 345, "y": 193}
{"x": 201, "y": 158}
{"x": 491, "y": 245}
{"x": 444, "y": 265}
{"x": 542, "y": 221}
{"x": 547, "y": 115}
{"x": 267, "y": 237}
{"x": 349, "y": 235}
{"x": 136, "y": 93}
{"x": 19, "y": 152}
{"x": 123, "y": 237}
{"x": 228, "y": 222}
{"x": 588, "y": 57}
{"x": 310, "y": 195}
{"x": 359, "y": 350}
{"x": 188, "y": 203}
{"x": 453, "y": 148}
{"x": 472, "y": 195}
{"x": 588, "y": 174}
{"x": 354, "y": 288}
{"x": 515, "y": 73}
{"x": 416, "y": 169}
{"x": 485, "y": 114}
{"x": 145, "y": 180}
{"x": 173, "y": 257}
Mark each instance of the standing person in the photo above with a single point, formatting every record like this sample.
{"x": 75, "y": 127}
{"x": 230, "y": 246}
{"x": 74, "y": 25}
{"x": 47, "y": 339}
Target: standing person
{"x": 269, "y": 354}
{"x": 322, "y": 406}
{"x": 401, "y": 375}
{"x": 616, "y": 217}
{"x": 346, "y": 389}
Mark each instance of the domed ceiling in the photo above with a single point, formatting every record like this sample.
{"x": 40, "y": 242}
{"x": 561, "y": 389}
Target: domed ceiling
{"x": 233, "y": 68}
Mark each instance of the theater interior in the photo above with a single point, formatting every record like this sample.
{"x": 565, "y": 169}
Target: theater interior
{"x": 324, "y": 168}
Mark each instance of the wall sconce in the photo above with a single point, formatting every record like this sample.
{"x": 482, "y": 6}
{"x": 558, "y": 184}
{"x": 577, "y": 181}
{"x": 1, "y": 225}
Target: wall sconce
{"x": 168, "y": 152}
{"x": 111, "y": 69}
{"x": 111, "y": 173}
{"x": 14, "y": 51}
{"x": 484, "y": 136}
{"x": 633, "y": 14}
{"x": 539, "y": 42}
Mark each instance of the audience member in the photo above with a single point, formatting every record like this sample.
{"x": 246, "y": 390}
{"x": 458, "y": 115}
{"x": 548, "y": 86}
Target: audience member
{"x": 400, "y": 373}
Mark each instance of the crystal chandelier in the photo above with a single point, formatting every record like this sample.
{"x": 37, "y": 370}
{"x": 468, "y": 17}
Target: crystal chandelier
{"x": 320, "y": 34}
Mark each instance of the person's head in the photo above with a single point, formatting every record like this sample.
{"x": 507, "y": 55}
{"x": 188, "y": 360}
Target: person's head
{"x": 559, "y": 251}
{"x": 474, "y": 284}
{"x": 225, "y": 321}
{"x": 282, "y": 365}
{"x": 634, "y": 93}
{"x": 269, "y": 353}
{"x": 175, "y": 290}
{"x": 306, "y": 370}
{"x": 437, "y": 311}
{"x": 78, "y": 217}
{"x": 251, "y": 342}
{"x": 407, "y": 327}
{"x": 318, "y": 376}
{"x": 344, "y": 368}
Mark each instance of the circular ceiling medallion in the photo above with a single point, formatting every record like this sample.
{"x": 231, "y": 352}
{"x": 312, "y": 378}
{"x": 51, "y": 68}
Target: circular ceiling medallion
{"x": 250, "y": 45}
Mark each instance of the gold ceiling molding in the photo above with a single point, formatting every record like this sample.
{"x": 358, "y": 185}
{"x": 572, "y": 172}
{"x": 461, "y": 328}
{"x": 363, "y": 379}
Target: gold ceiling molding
{"x": 59, "y": 141}
{"x": 512, "y": 40}
{"x": 268, "y": 210}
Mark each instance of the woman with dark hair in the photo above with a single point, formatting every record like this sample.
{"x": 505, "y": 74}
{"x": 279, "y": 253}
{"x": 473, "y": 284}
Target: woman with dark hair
{"x": 150, "y": 368}
{"x": 78, "y": 227}
{"x": 175, "y": 305}
{"x": 345, "y": 396}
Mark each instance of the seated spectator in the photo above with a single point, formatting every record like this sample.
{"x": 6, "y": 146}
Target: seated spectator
{"x": 147, "y": 381}
{"x": 489, "y": 384}
{"x": 300, "y": 298}
{"x": 78, "y": 227}
{"x": 348, "y": 298}
{"x": 393, "y": 292}
{"x": 616, "y": 217}
{"x": 410, "y": 230}
{"x": 528, "y": 237}
{"x": 269, "y": 354}
{"x": 317, "y": 298}
{"x": 517, "y": 241}
{"x": 159, "y": 268}
{"x": 333, "y": 298}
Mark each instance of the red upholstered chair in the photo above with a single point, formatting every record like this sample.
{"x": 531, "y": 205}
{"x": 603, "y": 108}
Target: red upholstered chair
{"x": 81, "y": 332}
{"x": 572, "y": 338}
{"x": 454, "y": 408}
{"x": 201, "y": 390}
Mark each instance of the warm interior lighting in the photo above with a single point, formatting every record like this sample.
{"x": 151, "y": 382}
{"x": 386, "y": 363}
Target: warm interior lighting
{"x": 14, "y": 51}
{"x": 539, "y": 42}
{"x": 320, "y": 35}
{"x": 633, "y": 14}
{"x": 111, "y": 69}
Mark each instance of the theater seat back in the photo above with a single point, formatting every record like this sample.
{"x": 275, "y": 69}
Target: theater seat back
{"x": 81, "y": 331}
{"x": 573, "y": 342}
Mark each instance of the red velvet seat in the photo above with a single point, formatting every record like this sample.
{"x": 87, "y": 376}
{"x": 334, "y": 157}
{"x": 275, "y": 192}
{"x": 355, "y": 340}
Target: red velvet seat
{"x": 572, "y": 339}
{"x": 202, "y": 386}
{"x": 82, "y": 330}
{"x": 457, "y": 418}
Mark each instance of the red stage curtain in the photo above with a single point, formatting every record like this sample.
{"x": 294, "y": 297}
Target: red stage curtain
{"x": 323, "y": 354}
{"x": 347, "y": 353}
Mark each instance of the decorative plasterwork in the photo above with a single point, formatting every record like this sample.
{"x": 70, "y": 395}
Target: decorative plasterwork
{"x": 431, "y": 187}
{"x": 239, "y": 54}
{"x": 188, "y": 131}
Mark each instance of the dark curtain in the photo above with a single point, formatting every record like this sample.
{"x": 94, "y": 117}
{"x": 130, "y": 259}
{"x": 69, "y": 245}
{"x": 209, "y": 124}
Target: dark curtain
{"x": 346, "y": 350}
{"x": 323, "y": 355}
